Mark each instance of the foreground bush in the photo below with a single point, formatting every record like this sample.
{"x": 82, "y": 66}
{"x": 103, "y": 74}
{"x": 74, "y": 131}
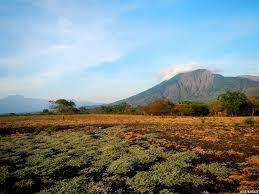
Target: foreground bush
{"x": 96, "y": 162}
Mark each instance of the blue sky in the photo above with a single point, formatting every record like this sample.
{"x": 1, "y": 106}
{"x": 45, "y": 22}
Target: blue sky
{"x": 104, "y": 51}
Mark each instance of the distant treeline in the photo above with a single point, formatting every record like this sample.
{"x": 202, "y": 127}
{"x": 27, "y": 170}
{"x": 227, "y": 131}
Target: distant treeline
{"x": 232, "y": 103}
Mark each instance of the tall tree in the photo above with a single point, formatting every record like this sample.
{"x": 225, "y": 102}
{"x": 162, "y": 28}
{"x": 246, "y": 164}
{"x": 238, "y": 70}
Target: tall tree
{"x": 233, "y": 101}
{"x": 255, "y": 104}
{"x": 63, "y": 106}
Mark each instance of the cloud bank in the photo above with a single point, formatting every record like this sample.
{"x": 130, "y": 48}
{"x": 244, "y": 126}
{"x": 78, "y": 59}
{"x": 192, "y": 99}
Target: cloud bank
{"x": 175, "y": 69}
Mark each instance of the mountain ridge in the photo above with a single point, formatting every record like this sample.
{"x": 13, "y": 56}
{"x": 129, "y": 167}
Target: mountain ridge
{"x": 197, "y": 85}
{"x": 251, "y": 77}
{"x": 21, "y": 104}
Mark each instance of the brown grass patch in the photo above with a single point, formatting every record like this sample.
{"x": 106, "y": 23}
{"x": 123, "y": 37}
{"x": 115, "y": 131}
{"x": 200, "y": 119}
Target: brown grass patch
{"x": 253, "y": 160}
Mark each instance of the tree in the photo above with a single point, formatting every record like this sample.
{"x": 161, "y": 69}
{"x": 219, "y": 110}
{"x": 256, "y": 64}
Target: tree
{"x": 83, "y": 110}
{"x": 158, "y": 107}
{"x": 45, "y": 110}
{"x": 199, "y": 109}
{"x": 254, "y": 100}
{"x": 63, "y": 106}
{"x": 233, "y": 101}
{"x": 189, "y": 108}
{"x": 215, "y": 107}
{"x": 182, "y": 109}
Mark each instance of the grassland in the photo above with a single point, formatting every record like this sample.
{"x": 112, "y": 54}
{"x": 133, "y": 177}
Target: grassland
{"x": 127, "y": 154}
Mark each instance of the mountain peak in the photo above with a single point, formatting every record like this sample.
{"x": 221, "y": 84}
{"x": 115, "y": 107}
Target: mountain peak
{"x": 201, "y": 71}
{"x": 14, "y": 96}
{"x": 197, "y": 72}
{"x": 198, "y": 85}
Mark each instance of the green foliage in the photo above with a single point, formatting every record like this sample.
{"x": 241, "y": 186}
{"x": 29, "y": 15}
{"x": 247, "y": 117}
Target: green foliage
{"x": 215, "y": 107}
{"x": 122, "y": 166}
{"x": 83, "y": 110}
{"x": 78, "y": 162}
{"x": 254, "y": 102}
{"x": 165, "y": 191}
{"x": 203, "y": 120}
{"x": 74, "y": 185}
{"x": 45, "y": 110}
{"x": 233, "y": 102}
{"x": 216, "y": 169}
{"x": 4, "y": 173}
{"x": 249, "y": 121}
{"x": 98, "y": 187}
{"x": 24, "y": 185}
{"x": 168, "y": 173}
{"x": 195, "y": 108}
{"x": 122, "y": 108}
{"x": 143, "y": 182}
{"x": 182, "y": 109}
{"x": 63, "y": 106}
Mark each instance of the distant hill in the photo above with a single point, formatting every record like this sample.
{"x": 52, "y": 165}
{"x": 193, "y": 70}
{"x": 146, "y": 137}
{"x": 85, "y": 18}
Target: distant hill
{"x": 198, "y": 85}
{"x": 251, "y": 77}
{"x": 21, "y": 104}
{"x": 86, "y": 103}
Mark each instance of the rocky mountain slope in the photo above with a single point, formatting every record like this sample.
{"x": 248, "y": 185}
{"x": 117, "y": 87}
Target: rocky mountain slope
{"x": 197, "y": 85}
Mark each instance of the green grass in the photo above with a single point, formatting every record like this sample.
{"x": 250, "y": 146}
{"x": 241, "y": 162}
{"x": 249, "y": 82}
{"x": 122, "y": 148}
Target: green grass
{"x": 96, "y": 162}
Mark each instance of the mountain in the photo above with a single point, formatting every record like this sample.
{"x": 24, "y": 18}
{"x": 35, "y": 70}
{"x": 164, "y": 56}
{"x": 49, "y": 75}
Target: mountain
{"x": 21, "y": 104}
{"x": 251, "y": 77}
{"x": 197, "y": 85}
{"x": 86, "y": 103}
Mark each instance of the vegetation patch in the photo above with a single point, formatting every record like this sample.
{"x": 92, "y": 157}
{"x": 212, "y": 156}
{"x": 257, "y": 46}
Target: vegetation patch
{"x": 78, "y": 162}
{"x": 249, "y": 121}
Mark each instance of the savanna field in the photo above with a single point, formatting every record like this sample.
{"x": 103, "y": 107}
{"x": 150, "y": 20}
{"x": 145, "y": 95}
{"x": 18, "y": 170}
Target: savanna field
{"x": 98, "y": 153}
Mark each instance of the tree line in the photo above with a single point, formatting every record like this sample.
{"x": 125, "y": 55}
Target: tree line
{"x": 230, "y": 103}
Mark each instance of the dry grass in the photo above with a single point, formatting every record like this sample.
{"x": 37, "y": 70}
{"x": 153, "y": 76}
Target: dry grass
{"x": 41, "y": 120}
{"x": 220, "y": 139}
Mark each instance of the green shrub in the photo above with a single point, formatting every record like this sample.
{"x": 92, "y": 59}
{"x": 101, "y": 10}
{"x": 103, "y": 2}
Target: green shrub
{"x": 122, "y": 166}
{"x": 216, "y": 169}
{"x": 78, "y": 162}
{"x": 74, "y": 185}
{"x": 25, "y": 184}
{"x": 249, "y": 121}
{"x": 98, "y": 187}
{"x": 203, "y": 120}
{"x": 143, "y": 182}
{"x": 4, "y": 173}
{"x": 168, "y": 173}
{"x": 141, "y": 155}
{"x": 165, "y": 191}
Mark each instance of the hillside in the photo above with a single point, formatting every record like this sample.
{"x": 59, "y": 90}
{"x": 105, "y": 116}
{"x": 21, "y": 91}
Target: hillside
{"x": 21, "y": 104}
{"x": 251, "y": 77}
{"x": 197, "y": 85}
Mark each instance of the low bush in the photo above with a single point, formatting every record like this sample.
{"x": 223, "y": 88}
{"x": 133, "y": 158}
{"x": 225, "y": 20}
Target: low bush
{"x": 78, "y": 162}
{"x": 216, "y": 169}
{"x": 122, "y": 166}
{"x": 203, "y": 120}
{"x": 249, "y": 121}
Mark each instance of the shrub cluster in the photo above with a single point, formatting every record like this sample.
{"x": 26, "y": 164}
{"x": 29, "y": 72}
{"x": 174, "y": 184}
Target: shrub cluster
{"x": 96, "y": 162}
{"x": 230, "y": 103}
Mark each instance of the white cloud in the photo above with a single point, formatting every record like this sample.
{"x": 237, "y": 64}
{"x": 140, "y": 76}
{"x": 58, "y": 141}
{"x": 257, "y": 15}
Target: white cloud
{"x": 175, "y": 69}
{"x": 70, "y": 37}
